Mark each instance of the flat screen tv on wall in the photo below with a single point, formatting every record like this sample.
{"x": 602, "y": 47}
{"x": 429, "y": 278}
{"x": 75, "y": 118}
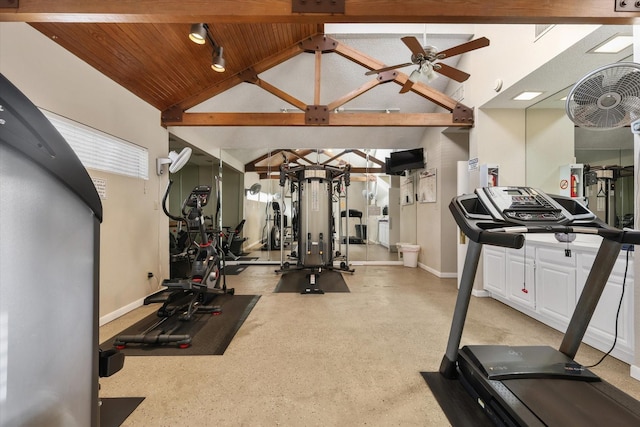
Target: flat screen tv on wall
{"x": 405, "y": 160}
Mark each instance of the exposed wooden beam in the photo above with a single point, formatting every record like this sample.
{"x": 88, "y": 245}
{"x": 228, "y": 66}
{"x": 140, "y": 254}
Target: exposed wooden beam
{"x": 318, "y": 76}
{"x": 298, "y": 119}
{"x": 251, "y": 11}
{"x": 265, "y": 170}
{"x": 370, "y": 63}
{"x": 302, "y": 155}
{"x": 372, "y": 159}
{"x": 234, "y": 80}
{"x": 326, "y": 162}
{"x": 353, "y": 94}
{"x": 254, "y": 165}
{"x": 281, "y": 94}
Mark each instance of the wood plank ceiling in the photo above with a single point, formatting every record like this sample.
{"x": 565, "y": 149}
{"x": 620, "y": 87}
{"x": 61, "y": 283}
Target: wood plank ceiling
{"x": 158, "y": 62}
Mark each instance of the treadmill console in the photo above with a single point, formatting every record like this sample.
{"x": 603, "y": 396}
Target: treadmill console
{"x": 522, "y": 205}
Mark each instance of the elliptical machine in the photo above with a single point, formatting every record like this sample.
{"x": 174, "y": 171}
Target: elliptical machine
{"x": 184, "y": 298}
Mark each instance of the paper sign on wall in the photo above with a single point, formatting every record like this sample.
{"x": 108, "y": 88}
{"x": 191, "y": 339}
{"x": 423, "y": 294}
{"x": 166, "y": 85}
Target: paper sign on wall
{"x": 101, "y": 187}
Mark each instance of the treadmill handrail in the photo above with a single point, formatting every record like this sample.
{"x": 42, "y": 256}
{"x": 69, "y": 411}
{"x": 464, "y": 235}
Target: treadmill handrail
{"x": 486, "y": 230}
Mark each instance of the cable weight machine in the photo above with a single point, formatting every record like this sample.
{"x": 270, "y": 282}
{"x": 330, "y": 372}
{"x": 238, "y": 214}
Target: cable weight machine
{"x": 312, "y": 189}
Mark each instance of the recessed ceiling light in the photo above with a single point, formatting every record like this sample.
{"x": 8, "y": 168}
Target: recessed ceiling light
{"x": 614, "y": 45}
{"x": 527, "y": 96}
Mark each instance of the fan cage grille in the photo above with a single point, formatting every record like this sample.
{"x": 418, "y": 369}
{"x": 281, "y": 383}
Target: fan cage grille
{"x": 606, "y": 98}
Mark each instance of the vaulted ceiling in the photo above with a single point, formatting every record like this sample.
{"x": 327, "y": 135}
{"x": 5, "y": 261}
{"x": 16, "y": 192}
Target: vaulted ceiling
{"x": 157, "y": 61}
{"x": 142, "y": 45}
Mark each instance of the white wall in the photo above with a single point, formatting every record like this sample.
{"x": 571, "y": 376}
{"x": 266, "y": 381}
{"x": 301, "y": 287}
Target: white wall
{"x": 435, "y": 227}
{"x": 134, "y": 237}
{"x": 550, "y": 142}
{"x": 512, "y": 55}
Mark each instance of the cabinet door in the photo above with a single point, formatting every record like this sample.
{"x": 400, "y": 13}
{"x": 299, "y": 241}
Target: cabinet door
{"x": 520, "y": 277}
{"x": 383, "y": 233}
{"x": 602, "y": 327}
{"x": 555, "y": 285}
{"x": 494, "y": 270}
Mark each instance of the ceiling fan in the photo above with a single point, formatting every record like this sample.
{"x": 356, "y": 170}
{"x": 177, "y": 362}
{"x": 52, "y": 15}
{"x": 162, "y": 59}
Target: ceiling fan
{"x": 425, "y": 58}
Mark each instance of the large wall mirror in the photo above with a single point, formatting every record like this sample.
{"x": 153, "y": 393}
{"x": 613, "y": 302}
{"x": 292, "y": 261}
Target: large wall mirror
{"x": 257, "y": 216}
{"x": 365, "y": 215}
{"x": 597, "y": 164}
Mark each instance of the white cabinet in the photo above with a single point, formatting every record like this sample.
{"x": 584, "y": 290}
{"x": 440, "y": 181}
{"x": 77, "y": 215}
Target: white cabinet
{"x": 383, "y": 233}
{"x": 602, "y": 328}
{"x": 556, "y": 285}
{"x": 544, "y": 280}
{"x": 520, "y": 277}
{"x": 494, "y": 270}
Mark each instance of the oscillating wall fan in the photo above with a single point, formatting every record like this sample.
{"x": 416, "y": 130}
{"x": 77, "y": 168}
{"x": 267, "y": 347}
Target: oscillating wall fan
{"x": 606, "y": 98}
{"x": 255, "y": 189}
{"x": 425, "y": 58}
{"x": 176, "y": 161}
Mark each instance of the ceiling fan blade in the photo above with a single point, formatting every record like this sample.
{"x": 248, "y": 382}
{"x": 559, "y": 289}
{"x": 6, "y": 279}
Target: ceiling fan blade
{"x": 464, "y": 47}
{"x": 452, "y": 73}
{"x": 407, "y": 86}
{"x": 414, "y": 45}
{"x": 383, "y": 69}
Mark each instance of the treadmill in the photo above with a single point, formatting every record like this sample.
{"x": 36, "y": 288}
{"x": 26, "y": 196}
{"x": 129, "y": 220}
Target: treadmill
{"x": 535, "y": 385}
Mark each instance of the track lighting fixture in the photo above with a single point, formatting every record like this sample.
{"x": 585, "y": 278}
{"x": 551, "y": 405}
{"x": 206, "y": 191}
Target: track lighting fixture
{"x": 217, "y": 63}
{"x": 200, "y": 34}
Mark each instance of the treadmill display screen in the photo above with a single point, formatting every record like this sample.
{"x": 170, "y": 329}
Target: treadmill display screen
{"x": 521, "y": 204}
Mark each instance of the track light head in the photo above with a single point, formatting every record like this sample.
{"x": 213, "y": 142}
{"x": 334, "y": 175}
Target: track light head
{"x": 198, "y": 33}
{"x": 217, "y": 63}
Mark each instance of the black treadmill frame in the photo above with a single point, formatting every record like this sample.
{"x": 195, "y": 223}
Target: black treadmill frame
{"x": 499, "y": 403}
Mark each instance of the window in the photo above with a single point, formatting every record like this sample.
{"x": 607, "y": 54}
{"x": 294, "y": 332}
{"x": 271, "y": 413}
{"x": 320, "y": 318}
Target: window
{"x": 101, "y": 151}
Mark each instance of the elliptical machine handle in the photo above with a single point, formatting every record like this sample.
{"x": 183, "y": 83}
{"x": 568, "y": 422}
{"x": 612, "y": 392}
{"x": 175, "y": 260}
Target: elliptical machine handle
{"x": 164, "y": 204}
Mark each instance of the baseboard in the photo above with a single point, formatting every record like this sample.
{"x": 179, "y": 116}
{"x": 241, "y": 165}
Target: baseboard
{"x": 480, "y": 293}
{"x": 635, "y": 372}
{"x": 437, "y": 273}
{"x": 121, "y": 311}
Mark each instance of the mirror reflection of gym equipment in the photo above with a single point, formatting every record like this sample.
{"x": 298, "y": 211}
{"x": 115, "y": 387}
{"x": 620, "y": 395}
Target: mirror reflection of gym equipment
{"x": 608, "y": 192}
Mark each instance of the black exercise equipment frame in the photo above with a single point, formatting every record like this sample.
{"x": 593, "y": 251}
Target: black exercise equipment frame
{"x": 325, "y": 175}
{"x": 532, "y": 393}
{"x": 182, "y": 299}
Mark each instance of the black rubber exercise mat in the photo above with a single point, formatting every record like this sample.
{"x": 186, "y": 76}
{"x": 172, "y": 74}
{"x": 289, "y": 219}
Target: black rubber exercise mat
{"x": 210, "y": 334}
{"x": 115, "y": 410}
{"x": 233, "y": 270}
{"x": 298, "y": 281}
{"x": 458, "y": 405}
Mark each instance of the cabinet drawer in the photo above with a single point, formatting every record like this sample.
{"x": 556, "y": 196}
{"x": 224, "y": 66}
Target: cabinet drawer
{"x": 587, "y": 259}
{"x": 556, "y": 256}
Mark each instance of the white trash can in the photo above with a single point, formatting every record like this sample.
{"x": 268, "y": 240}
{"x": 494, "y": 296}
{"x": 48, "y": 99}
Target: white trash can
{"x": 410, "y": 255}
{"x": 399, "y": 247}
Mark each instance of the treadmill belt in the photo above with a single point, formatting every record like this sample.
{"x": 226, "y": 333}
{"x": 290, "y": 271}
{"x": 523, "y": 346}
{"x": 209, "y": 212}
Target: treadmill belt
{"x": 459, "y": 407}
{"x": 575, "y": 403}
